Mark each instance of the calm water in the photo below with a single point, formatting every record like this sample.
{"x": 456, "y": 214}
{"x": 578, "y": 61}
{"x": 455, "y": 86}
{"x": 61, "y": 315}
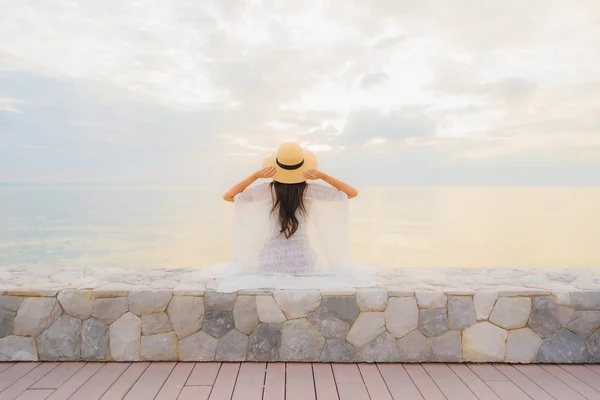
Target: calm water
{"x": 172, "y": 227}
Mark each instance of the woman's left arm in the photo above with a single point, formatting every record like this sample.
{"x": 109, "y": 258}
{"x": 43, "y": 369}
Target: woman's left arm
{"x": 240, "y": 187}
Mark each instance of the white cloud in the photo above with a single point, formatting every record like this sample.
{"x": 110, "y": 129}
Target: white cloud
{"x": 475, "y": 81}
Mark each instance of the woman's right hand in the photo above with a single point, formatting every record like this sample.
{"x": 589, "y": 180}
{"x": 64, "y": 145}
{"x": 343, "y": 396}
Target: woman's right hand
{"x": 314, "y": 174}
{"x": 265, "y": 172}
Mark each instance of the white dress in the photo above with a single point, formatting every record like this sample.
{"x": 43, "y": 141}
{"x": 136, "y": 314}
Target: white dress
{"x": 294, "y": 255}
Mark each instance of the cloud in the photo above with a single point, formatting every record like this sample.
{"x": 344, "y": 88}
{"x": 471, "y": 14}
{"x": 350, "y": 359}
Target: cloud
{"x": 374, "y": 79}
{"x": 394, "y": 125}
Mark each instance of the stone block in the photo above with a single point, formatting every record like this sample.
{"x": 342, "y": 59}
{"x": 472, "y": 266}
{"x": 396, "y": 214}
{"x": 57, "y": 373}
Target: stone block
{"x": 197, "y": 347}
{"x": 125, "y": 335}
{"x": 433, "y": 322}
{"x": 156, "y": 323}
{"x": 94, "y": 340}
{"x": 186, "y": 314}
{"x": 511, "y": 312}
{"x": 233, "y": 346}
{"x": 544, "y": 319}
{"x": 447, "y": 347}
{"x": 160, "y": 347}
{"x": 372, "y": 299}
{"x": 562, "y": 298}
{"x": 7, "y": 320}
{"x": 381, "y": 349}
{"x": 367, "y": 327}
{"x": 564, "y": 315}
{"x": 586, "y": 300}
{"x": 336, "y": 350}
{"x": 76, "y": 303}
{"x": 484, "y": 303}
{"x": 218, "y": 323}
{"x": 245, "y": 314}
{"x": 584, "y": 323}
{"x": 18, "y": 348}
{"x": 563, "y": 347}
{"x": 415, "y": 347}
{"x": 217, "y": 301}
{"x": 108, "y": 310}
{"x": 431, "y": 299}
{"x": 328, "y": 324}
{"x": 401, "y": 315}
{"x": 10, "y": 303}
{"x": 344, "y": 308}
{"x": 297, "y": 303}
{"x": 61, "y": 341}
{"x": 268, "y": 310}
{"x": 522, "y": 345}
{"x": 265, "y": 342}
{"x": 461, "y": 312}
{"x": 484, "y": 342}
{"x": 35, "y": 315}
{"x": 593, "y": 347}
{"x": 144, "y": 302}
{"x": 301, "y": 341}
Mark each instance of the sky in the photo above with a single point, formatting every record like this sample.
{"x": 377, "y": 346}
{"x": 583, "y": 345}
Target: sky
{"x": 386, "y": 92}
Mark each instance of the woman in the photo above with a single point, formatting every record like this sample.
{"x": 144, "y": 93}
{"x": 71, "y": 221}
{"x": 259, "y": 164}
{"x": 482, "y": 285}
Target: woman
{"x": 294, "y": 207}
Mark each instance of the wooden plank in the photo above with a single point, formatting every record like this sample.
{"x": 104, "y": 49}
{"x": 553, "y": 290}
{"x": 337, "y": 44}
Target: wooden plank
{"x": 374, "y": 382}
{"x": 487, "y": 372}
{"x": 507, "y": 390}
{"x": 450, "y": 385}
{"x": 275, "y": 382}
{"x": 324, "y": 382}
{"x": 5, "y": 365}
{"x": 174, "y": 385}
{"x": 594, "y": 367}
{"x": 151, "y": 381}
{"x": 427, "y": 387}
{"x": 102, "y": 380}
{"x": 14, "y": 373}
{"x": 523, "y": 382}
{"x": 299, "y": 382}
{"x": 250, "y": 382}
{"x": 571, "y": 381}
{"x": 477, "y": 386}
{"x": 399, "y": 382}
{"x": 225, "y": 383}
{"x": 18, "y": 387}
{"x": 204, "y": 374}
{"x": 67, "y": 389}
{"x": 559, "y": 390}
{"x": 583, "y": 374}
{"x": 36, "y": 394}
{"x": 195, "y": 393}
{"x": 349, "y": 382}
{"x": 120, "y": 388}
{"x": 58, "y": 375}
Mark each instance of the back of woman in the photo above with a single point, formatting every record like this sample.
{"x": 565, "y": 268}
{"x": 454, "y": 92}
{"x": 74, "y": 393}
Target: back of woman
{"x": 288, "y": 226}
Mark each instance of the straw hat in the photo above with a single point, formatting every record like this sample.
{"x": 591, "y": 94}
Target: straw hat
{"x": 291, "y": 161}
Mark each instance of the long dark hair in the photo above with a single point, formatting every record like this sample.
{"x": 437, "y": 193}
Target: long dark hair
{"x": 288, "y": 198}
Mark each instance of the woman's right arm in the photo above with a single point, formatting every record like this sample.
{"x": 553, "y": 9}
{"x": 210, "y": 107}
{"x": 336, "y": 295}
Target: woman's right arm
{"x": 314, "y": 174}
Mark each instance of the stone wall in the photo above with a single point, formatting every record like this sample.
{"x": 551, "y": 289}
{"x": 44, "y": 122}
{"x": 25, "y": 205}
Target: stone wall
{"x": 370, "y": 325}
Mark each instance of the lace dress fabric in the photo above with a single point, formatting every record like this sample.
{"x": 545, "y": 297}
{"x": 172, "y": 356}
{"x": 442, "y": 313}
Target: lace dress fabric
{"x": 293, "y": 256}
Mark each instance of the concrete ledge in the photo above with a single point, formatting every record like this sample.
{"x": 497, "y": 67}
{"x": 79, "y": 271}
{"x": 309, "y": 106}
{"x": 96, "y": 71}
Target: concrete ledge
{"x": 380, "y": 324}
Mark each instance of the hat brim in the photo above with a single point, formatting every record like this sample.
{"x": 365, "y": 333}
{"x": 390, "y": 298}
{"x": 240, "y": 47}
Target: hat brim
{"x": 294, "y": 175}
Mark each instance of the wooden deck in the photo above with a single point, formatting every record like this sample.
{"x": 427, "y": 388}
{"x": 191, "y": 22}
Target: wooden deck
{"x": 277, "y": 381}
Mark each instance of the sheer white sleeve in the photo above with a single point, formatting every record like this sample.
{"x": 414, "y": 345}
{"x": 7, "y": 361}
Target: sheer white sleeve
{"x": 259, "y": 192}
{"x": 316, "y": 191}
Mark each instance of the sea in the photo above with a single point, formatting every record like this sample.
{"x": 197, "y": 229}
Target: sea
{"x": 390, "y": 227}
